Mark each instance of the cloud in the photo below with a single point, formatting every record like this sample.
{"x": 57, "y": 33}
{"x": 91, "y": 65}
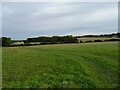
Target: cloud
{"x": 60, "y": 0}
{"x": 22, "y": 20}
{"x": 0, "y": 19}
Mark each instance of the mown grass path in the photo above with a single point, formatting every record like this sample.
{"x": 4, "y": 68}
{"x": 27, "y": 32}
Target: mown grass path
{"x": 69, "y": 65}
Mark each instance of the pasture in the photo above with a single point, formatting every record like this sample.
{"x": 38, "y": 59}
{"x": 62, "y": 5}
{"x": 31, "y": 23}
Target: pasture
{"x": 86, "y": 65}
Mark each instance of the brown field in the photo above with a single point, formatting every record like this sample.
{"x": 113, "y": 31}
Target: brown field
{"x": 94, "y": 38}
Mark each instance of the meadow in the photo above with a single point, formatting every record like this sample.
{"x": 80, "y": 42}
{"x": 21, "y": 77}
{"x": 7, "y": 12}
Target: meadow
{"x": 85, "y": 65}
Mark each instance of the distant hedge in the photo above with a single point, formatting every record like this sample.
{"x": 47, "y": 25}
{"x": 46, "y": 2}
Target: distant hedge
{"x": 112, "y": 40}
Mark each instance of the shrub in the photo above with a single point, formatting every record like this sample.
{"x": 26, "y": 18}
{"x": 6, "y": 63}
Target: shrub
{"x": 81, "y": 41}
{"x": 0, "y": 41}
{"x": 6, "y": 42}
{"x": 26, "y": 42}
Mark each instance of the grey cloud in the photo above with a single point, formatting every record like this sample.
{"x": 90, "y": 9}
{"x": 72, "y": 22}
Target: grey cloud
{"x": 22, "y": 20}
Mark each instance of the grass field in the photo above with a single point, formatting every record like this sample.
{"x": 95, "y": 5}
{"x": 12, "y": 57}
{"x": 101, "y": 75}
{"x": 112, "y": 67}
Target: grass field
{"x": 83, "y": 65}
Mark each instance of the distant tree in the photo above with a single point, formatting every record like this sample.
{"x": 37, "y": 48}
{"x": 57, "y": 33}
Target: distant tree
{"x": 118, "y": 35}
{"x": 81, "y": 41}
{"x": 0, "y": 41}
{"x": 26, "y": 42}
{"x": 6, "y": 42}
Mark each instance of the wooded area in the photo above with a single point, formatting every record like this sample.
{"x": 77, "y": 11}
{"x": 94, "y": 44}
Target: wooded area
{"x": 42, "y": 40}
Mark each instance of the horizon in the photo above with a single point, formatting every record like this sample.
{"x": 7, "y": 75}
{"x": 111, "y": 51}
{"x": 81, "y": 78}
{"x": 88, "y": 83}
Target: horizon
{"x": 30, "y": 19}
{"x": 63, "y": 35}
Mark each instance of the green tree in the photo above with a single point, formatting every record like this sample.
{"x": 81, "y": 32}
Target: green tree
{"x": 26, "y": 42}
{"x": 0, "y": 41}
{"x": 6, "y": 42}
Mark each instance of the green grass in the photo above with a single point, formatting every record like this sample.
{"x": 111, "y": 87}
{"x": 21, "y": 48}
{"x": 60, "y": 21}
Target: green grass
{"x": 88, "y": 65}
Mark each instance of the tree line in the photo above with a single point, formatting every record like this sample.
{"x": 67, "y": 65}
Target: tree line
{"x": 54, "y": 39}
{"x": 6, "y": 42}
{"x": 102, "y": 35}
{"x": 43, "y": 40}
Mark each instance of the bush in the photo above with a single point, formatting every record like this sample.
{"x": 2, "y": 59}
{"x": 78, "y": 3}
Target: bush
{"x": 6, "y": 42}
{"x": 81, "y": 41}
{"x": 0, "y": 41}
{"x": 26, "y": 42}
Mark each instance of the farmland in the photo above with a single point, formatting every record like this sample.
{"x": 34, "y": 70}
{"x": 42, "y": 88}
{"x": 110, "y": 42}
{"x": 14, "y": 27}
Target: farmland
{"x": 84, "y": 39}
{"x": 86, "y": 65}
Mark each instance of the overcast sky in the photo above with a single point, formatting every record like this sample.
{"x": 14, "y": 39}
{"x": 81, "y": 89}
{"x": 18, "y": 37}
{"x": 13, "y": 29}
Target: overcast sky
{"x": 22, "y": 20}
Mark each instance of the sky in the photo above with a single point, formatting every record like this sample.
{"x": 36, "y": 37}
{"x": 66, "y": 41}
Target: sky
{"x": 21, "y": 20}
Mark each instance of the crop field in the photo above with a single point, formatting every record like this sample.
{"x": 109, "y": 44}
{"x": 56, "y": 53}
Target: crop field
{"x": 86, "y": 65}
{"x": 95, "y": 38}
